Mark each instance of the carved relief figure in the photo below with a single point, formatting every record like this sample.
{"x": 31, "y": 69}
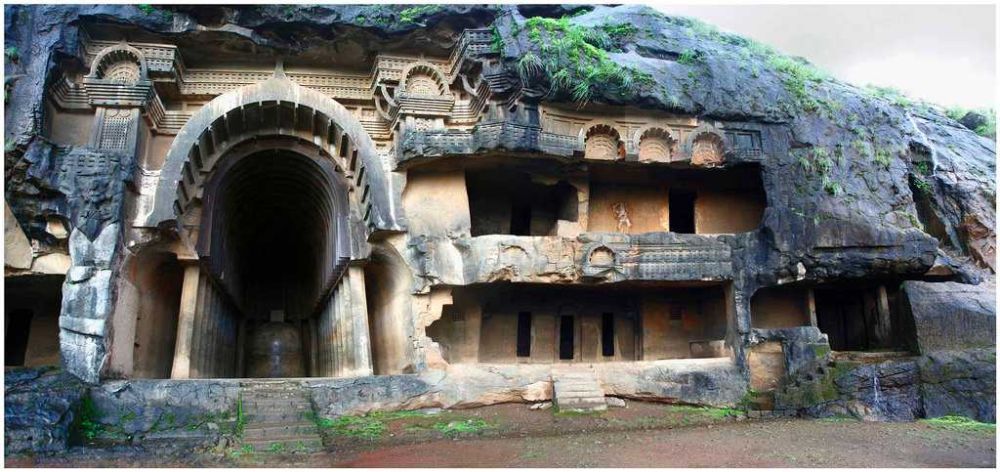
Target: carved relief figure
{"x": 621, "y": 215}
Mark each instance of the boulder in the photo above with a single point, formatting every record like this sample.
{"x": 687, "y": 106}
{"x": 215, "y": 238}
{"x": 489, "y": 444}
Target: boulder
{"x": 39, "y": 410}
{"x": 959, "y": 383}
{"x": 950, "y": 315}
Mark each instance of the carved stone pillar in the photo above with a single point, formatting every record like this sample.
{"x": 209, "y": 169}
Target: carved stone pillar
{"x": 185, "y": 322}
{"x": 94, "y": 178}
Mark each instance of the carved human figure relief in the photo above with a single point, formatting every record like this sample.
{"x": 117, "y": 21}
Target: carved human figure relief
{"x": 621, "y": 215}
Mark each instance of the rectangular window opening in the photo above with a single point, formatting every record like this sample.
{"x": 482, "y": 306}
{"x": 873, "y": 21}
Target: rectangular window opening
{"x": 16, "y": 339}
{"x": 681, "y": 211}
{"x": 608, "y": 334}
{"x": 524, "y": 334}
{"x": 566, "y": 340}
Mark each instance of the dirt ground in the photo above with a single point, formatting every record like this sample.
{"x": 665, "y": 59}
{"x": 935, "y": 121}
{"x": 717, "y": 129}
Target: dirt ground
{"x": 642, "y": 435}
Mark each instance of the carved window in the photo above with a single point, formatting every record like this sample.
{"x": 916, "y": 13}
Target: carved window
{"x": 603, "y": 143}
{"x": 707, "y": 149}
{"x": 601, "y": 257}
{"x": 422, "y": 85}
{"x": 655, "y": 145}
{"x": 123, "y": 72}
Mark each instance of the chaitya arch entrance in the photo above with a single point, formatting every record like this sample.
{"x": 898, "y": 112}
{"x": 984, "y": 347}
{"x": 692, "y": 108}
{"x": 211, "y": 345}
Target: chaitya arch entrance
{"x": 273, "y": 189}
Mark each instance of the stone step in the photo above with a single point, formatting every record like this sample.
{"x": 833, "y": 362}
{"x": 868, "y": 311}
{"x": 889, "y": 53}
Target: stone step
{"x": 275, "y": 418}
{"x": 264, "y": 403}
{"x": 287, "y": 445}
{"x": 306, "y": 432}
{"x": 577, "y": 390}
{"x": 576, "y": 400}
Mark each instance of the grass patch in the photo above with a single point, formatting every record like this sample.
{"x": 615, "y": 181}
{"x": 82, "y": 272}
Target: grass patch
{"x": 704, "y": 411}
{"x": 575, "y": 58}
{"x": 241, "y": 421}
{"x": 410, "y": 15}
{"x": 455, "y": 428}
{"x": 86, "y": 423}
{"x": 959, "y": 423}
{"x": 796, "y": 74}
{"x": 371, "y": 426}
{"x": 987, "y": 129}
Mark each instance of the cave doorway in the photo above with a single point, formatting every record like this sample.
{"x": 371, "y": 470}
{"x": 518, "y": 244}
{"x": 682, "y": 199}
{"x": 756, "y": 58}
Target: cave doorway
{"x": 31, "y": 320}
{"x": 858, "y": 319}
{"x": 272, "y": 241}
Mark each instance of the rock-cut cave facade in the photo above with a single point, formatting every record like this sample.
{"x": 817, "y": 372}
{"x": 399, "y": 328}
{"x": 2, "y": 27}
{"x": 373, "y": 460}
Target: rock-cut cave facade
{"x": 428, "y": 214}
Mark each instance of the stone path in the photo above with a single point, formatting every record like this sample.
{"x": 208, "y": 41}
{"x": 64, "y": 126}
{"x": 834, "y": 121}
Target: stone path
{"x": 576, "y": 389}
{"x": 278, "y": 417}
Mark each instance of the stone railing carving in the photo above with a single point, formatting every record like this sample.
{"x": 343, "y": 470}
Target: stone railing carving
{"x": 655, "y": 256}
{"x": 592, "y": 257}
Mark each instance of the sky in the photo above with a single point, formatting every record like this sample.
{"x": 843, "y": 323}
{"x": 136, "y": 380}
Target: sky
{"x": 940, "y": 53}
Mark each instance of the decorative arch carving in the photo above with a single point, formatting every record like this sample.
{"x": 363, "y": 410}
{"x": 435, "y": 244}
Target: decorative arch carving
{"x": 120, "y": 63}
{"x": 655, "y": 144}
{"x": 708, "y": 148}
{"x": 423, "y": 80}
{"x": 603, "y": 142}
{"x": 275, "y": 107}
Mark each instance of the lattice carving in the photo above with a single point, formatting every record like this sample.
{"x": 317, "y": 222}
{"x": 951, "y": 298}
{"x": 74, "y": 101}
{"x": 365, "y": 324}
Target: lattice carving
{"x": 707, "y": 149}
{"x": 115, "y": 129}
{"x": 603, "y": 142}
{"x": 655, "y": 145}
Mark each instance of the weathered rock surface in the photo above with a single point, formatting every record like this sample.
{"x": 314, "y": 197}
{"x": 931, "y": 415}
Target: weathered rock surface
{"x": 948, "y": 315}
{"x": 959, "y": 383}
{"x": 39, "y": 409}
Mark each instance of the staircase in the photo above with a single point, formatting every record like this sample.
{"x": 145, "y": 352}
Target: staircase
{"x": 278, "y": 417}
{"x": 577, "y": 389}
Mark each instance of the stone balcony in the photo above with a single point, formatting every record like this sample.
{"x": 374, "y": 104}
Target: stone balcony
{"x": 588, "y": 258}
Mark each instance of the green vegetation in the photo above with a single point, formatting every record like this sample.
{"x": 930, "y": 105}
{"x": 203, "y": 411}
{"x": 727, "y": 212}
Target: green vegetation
{"x": 620, "y": 33}
{"x": 12, "y": 54}
{"x": 153, "y": 9}
{"x": 890, "y": 94}
{"x": 883, "y": 158}
{"x": 86, "y": 422}
{"x": 241, "y": 420}
{"x": 528, "y": 66}
{"x": 575, "y": 58}
{"x": 918, "y": 177}
{"x": 276, "y": 448}
{"x": 455, "y": 428}
{"x": 959, "y": 423}
{"x": 496, "y": 41}
{"x": 688, "y": 57}
{"x": 749, "y": 398}
{"x": 370, "y": 426}
{"x": 244, "y": 450}
{"x": 796, "y": 74}
{"x": 986, "y": 130}
{"x": 411, "y": 14}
